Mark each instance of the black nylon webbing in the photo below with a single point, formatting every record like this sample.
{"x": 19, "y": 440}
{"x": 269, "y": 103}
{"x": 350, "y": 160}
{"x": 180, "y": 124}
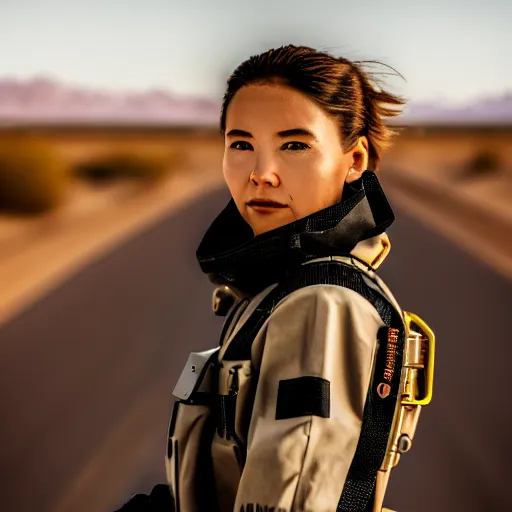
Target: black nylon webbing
{"x": 357, "y": 494}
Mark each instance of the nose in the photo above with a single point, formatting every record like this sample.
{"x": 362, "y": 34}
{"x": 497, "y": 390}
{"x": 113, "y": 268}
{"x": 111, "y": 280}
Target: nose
{"x": 265, "y": 175}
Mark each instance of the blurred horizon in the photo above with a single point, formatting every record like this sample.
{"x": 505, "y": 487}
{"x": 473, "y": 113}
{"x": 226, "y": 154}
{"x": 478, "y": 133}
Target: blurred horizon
{"x": 41, "y": 100}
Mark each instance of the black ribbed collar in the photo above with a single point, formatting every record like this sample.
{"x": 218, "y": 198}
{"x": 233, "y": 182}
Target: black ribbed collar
{"x": 230, "y": 254}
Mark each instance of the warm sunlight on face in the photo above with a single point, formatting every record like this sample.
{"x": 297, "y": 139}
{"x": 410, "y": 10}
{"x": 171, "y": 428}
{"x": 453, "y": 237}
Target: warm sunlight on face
{"x": 281, "y": 146}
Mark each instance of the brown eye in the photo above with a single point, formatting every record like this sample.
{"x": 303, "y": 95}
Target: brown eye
{"x": 295, "y": 146}
{"x": 241, "y": 145}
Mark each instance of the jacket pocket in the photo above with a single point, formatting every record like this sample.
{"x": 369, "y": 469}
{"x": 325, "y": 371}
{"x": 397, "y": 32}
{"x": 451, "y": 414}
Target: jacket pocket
{"x": 191, "y": 429}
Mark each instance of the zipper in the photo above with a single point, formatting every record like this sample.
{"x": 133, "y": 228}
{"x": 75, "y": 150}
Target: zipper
{"x": 231, "y": 404}
{"x": 228, "y": 415}
{"x": 231, "y": 432}
{"x": 222, "y": 427}
{"x": 227, "y": 407}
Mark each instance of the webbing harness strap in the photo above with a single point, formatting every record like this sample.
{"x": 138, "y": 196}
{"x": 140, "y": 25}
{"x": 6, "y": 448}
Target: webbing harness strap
{"x": 357, "y": 494}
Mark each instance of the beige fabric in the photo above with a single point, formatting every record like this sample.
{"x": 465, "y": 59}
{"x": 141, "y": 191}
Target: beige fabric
{"x": 296, "y": 464}
{"x": 189, "y": 466}
{"x": 373, "y": 250}
{"x": 301, "y": 463}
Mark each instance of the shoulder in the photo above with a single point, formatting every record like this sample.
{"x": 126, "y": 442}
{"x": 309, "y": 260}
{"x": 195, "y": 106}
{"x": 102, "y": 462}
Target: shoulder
{"x": 325, "y": 312}
{"x": 313, "y": 299}
{"x": 318, "y": 322}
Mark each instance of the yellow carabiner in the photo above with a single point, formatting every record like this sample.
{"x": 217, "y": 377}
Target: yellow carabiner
{"x": 416, "y": 324}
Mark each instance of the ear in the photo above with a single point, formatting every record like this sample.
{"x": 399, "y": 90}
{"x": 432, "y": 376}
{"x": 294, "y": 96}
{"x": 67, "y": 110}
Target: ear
{"x": 359, "y": 154}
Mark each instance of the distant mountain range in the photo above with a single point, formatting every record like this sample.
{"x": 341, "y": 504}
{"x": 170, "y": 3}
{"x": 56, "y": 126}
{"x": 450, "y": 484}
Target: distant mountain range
{"x": 491, "y": 111}
{"x": 46, "y": 101}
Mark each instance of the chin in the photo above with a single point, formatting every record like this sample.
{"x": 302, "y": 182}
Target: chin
{"x": 261, "y": 223}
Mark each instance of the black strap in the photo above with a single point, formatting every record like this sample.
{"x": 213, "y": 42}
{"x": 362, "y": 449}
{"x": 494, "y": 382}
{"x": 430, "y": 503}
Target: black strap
{"x": 229, "y": 318}
{"x": 357, "y": 494}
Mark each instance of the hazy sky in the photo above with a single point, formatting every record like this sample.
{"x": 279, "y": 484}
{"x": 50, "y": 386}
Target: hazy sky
{"x": 454, "y": 49}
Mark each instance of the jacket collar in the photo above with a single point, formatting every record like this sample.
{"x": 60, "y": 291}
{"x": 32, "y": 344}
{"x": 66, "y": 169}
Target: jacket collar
{"x": 230, "y": 254}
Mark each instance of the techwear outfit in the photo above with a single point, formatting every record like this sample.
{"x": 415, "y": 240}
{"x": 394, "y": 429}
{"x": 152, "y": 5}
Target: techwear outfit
{"x": 296, "y": 409}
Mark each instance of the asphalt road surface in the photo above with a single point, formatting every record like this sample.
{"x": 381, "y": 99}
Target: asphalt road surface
{"x": 86, "y": 374}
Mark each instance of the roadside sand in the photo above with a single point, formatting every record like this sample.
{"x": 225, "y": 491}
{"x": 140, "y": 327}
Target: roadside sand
{"x": 37, "y": 256}
{"x": 475, "y": 214}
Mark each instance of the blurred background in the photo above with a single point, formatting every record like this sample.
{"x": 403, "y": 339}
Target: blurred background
{"x": 110, "y": 172}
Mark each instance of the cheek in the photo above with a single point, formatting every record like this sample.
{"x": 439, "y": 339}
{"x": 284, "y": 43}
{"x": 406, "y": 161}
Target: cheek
{"x": 317, "y": 182}
{"x": 235, "y": 169}
{"x": 232, "y": 172}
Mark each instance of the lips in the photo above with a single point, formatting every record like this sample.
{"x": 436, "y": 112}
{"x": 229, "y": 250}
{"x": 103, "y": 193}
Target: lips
{"x": 265, "y": 203}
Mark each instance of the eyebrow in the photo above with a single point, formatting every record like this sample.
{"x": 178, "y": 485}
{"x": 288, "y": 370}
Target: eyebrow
{"x": 283, "y": 134}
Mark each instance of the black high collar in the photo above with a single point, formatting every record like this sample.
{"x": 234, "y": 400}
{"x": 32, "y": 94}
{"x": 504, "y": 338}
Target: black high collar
{"x": 230, "y": 254}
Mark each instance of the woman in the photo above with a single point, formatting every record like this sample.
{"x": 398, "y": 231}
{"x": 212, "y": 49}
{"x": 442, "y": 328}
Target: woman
{"x": 294, "y": 409}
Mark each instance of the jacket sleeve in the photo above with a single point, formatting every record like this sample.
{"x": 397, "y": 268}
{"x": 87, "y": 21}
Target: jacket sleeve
{"x": 318, "y": 350}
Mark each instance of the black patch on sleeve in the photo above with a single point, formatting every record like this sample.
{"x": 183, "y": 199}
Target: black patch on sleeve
{"x": 303, "y": 396}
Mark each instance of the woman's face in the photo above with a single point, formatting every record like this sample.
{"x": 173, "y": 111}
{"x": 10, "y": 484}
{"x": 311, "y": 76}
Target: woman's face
{"x": 281, "y": 146}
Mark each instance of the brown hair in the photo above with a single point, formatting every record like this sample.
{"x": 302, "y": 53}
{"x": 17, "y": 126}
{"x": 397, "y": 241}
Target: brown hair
{"x": 341, "y": 87}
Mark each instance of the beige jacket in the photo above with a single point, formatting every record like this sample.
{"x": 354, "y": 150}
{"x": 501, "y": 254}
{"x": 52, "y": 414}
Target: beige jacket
{"x": 297, "y": 463}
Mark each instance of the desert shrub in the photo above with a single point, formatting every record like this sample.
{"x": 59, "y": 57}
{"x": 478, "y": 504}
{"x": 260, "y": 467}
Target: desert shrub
{"x": 33, "y": 179}
{"x": 147, "y": 167}
{"x": 482, "y": 163}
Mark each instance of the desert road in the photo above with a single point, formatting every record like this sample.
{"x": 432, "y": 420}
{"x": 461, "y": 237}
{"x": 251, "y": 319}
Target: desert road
{"x": 86, "y": 373}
